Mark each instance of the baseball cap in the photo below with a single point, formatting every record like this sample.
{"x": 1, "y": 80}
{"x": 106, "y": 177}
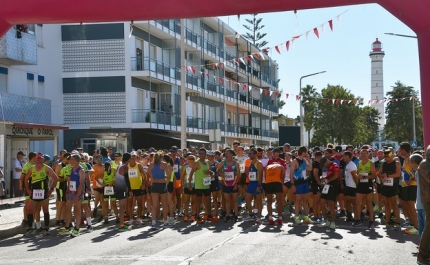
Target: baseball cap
{"x": 338, "y": 148}
{"x": 174, "y": 149}
{"x": 46, "y": 158}
{"x": 133, "y": 153}
{"x": 246, "y": 148}
{"x": 20, "y": 153}
{"x": 210, "y": 153}
{"x": 151, "y": 149}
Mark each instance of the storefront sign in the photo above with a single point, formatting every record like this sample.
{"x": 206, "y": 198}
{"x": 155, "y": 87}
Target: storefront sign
{"x": 29, "y": 131}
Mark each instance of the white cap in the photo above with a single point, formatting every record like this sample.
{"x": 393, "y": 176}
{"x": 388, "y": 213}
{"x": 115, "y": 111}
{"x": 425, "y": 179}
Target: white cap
{"x": 133, "y": 153}
{"x": 246, "y": 148}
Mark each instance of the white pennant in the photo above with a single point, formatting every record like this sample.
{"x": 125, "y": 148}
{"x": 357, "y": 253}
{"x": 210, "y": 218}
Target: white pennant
{"x": 262, "y": 56}
{"x": 243, "y": 61}
{"x": 339, "y": 19}
{"x": 322, "y": 28}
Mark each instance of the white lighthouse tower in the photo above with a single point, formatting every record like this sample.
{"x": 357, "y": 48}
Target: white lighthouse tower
{"x": 377, "y": 80}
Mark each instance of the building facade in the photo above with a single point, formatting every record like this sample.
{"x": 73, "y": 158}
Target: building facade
{"x": 121, "y": 86}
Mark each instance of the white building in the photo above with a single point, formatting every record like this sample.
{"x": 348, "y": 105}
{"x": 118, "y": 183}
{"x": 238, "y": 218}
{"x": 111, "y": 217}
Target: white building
{"x": 119, "y": 81}
{"x": 31, "y": 99}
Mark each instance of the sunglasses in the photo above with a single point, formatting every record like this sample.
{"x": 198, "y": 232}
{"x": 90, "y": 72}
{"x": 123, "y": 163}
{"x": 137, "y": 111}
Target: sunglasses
{"x": 39, "y": 157}
{"x": 117, "y": 156}
{"x": 191, "y": 159}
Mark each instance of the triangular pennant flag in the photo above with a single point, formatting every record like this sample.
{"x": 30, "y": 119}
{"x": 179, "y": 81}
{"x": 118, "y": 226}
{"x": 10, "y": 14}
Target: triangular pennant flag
{"x": 349, "y": 102}
{"x": 277, "y": 49}
{"x": 257, "y": 55}
{"x": 244, "y": 86}
{"x": 369, "y": 102}
{"x": 337, "y": 101}
{"x": 287, "y": 95}
{"x": 262, "y": 56}
{"x": 353, "y": 102}
{"x": 339, "y": 19}
{"x": 237, "y": 61}
{"x": 201, "y": 73}
{"x": 220, "y": 80}
{"x": 250, "y": 88}
{"x": 297, "y": 97}
{"x": 214, "y": 78}
{"x": 345, "y": 101}
{"x": 265, "y": 51}
{"x": 207, "y": 75}
{"x": 186, "y": 68}
{"x": 193, "y": 69}
{"x": 247, "y": 58}
{"x": 377, "y": 101}
{"x": 307, "y": 35}
{"x": 332, "y": 101}
{"x": 287, "y": 45}
{"x": 221, "y": 65}
{"x": 316, "y": 32}
{"x": 213, "y": 66}
{"x": 242, "y": 60}
{"x": 296, "y": 37}
{"x": 411, "y": 98}
{"x": 267, "y": 92}
{"x": 330, "y": 22}
{"x": 252, "y": 57}
{"x": 322, "y": 28}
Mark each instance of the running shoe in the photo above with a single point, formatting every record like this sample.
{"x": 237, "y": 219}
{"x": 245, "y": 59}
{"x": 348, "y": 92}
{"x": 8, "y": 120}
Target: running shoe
{"x": 411, "y": 231}
{"x": 307, "y": 220}
{"x": 154, "y": 227}
{"x": 286, "y": 210}
{"x": 213, "y": 219}
{"x": 64, "y": 231}
{"x": 371, "y": 225}
{"x": 74, "y": 233}
{"x": 280, "y": 222}
{"x": 193, "y": 218}
{"x": 332, "y": 225}
{"x": 397, "y": 227}
{"x": 30, "y": 232}
{"x": 298, "y": 220}
{"x": 124, "y": 228}
{"x": 249, "y": 218}
{"x": 324, "y": 224}
{"x": 271, "y": 221}
{"x": 185, "y": 218}
{"x": 227, "y": 219}
{"x": 357, "y": 223}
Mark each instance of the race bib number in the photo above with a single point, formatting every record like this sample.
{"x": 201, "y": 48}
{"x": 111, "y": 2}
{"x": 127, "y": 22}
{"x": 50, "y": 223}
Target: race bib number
{"x": 109, "y": 191}
{"x": 38, "y": 194}
{"x": 252, "y": 176}
{"x": 176, "y": 168}
{"x": 229, "y": 176}
{"x": 132, "y": 173}
{"x": 72, "y": 186}
{"x": 325, "y": 189}
{"x": 364, "y": 180}
{"x": 207, "y": 181}
{"x": 389, "y": 182}
{"x": 304, "y": 174}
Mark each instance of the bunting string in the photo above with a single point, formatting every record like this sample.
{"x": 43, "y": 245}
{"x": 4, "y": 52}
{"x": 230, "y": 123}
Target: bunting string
{"x": 359, "y": 101}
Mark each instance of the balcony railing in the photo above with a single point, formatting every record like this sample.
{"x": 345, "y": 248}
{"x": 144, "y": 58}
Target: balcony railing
{"x": 147, "y": 64}
{"x": 171, "y": 24}
{"x": 25, "y": 109}
{"x": 17, "y": 51}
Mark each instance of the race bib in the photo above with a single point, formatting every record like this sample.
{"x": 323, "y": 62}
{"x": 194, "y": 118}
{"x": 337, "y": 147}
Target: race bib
{"x": 389, "y": 182}
{"x": 38, "y": 194}
{"x": 364, "y": 180}
{"x": 229, "y": 176}
{"x": 109, "y": 191}
{"x": 72, "y": 186}
{"x": 176, "y": 168}
{"x": 132, "y": 173}
{"x": 207, "y": 181}
{"x": 402, "y": 175}
{"x": 252, "y": 176}
{"x": 325, "y": 189}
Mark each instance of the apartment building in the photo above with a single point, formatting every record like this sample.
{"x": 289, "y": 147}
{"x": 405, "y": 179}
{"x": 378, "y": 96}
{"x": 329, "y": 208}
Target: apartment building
{"x": 121, "y": 85}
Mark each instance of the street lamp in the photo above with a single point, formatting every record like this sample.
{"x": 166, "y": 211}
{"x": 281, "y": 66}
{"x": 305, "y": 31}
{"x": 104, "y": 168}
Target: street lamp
{"x": 301, "y": 107}
{"x": 401, "y": 35}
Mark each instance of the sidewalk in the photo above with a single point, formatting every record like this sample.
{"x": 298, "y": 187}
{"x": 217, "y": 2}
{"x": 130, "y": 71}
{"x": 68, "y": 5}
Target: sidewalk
{"x": 11, "y": 218}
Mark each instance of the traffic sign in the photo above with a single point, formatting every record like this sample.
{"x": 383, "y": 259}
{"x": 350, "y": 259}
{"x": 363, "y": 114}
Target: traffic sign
{"x": 414, "y": 144}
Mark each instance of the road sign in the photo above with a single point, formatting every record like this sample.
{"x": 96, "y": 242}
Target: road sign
{"x": 414, "y": 144}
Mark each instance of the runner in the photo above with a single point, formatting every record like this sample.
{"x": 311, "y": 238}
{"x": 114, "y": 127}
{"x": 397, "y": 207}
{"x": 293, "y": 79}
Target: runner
{"x": 36, "y": 183}
{"x": 316, "y": 189}
{"x": 189, "y": 194}
{"x": 300, "y": 185}
{"x": 25, "y": 168}
{"x": 137, "y": 178}
{"x": 108, "y": 190}
{"x": 178, "y": 162}
{"x": 74, "y": 195}
{"x": 275, "y": 173}
{"x": 241, "y": 158}
{"x": 254, "y": 173}
{"x": 330, "y": 189}
{"x": 123, "y": 189}
{"x": 97, "y": 180}
{"x": 286, "y": 189}
{"x": 230, "y": 173}
{"x": 349, "y": 189}
{"x": 202, "y": 179}
{"x": 389, "y": 174}
{"x": 170, "y": 175}
{"x": 215, "y": 186}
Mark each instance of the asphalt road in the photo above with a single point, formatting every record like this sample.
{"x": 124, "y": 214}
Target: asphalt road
{"x": 215, "y": 243}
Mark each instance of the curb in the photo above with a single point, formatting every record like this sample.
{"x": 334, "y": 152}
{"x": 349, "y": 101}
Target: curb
{"x": 11, "y": 232}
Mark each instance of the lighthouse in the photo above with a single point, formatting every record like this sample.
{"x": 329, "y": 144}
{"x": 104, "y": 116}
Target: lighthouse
{"x": 377, "y": 80}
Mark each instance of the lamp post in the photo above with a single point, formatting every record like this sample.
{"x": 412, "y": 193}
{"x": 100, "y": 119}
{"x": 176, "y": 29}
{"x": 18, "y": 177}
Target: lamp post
{"x": 301, "y": 107}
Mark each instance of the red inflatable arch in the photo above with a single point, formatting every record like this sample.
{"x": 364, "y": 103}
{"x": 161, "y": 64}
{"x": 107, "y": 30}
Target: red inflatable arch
{"x": 413, "y": 13}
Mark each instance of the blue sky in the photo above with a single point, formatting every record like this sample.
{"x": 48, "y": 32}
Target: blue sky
{"x": 343, "y": 52}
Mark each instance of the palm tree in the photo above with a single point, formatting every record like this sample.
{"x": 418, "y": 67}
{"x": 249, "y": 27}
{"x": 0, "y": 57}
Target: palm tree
{"x": 308, "y": 96}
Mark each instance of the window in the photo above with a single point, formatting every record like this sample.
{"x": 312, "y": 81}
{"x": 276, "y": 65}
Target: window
{"x": 3, "y": 79}
{"x": 30, "y": 88}
{"x": 41, "y": 89}
{"x": 152, "y": 52}
{"x": 39, "y": 35}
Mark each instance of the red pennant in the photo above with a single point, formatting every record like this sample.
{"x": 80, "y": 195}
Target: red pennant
{"x": 186, "y": 68}
{"x": 244, "y": 86}
{"x": 288, "y": 45}
{"x": 337, "y": 101}
{"x": 267, "y": 92}
{"x": 213, "y": 66}
{"x": 193, "y": 69}
{"x": 257, "y": 55}
{"x": 248, "y": 58}
{"x": 265, "y": 51}
{"x": 277, "y": 49}
{"x": 328, "y": 100}
{"x": 297, "y": 97}
{"x": 353, "y": 102}
{"x": 330, "y": 22}
{"x": 345, "y": 101}
{"x": 296, "y": 37}
{"x": 287, "y": 95}
{"x": 316, "y": 32}
{"x": 220, "y": 80}
{"x": 220, "y": 65}
{"x": 276, "y": 93}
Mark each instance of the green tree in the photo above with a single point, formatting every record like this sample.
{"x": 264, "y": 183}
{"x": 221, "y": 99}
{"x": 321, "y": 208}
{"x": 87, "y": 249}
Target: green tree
{"x": 367, "y": 125}
{"x": 336, "y": 123}
{"x": 254, "y": 35}
{"x": 309, "y": 97}
{"x": 399, "y": 124}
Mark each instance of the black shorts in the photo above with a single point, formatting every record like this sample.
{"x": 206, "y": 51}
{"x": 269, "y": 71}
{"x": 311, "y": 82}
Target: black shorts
{"x": 389, "y": 191}
{"x": 332, "y": 193}
{"x": 399, "y": 192}
{"x": 121, "y": 194}
{"x": 61, "y": 195}
{"x": 378, "y": 188}
{"x": 229, "y": 189}
{"x": 409, "y": 193}
{"x": 200, "y": 193}
{"x": 99, "y": 190}
{"x": 288, "y": 184}
{"x": 365, "y": 188}
{"x": 170, "y": 187}
{"x": 160, "y": 188}
{"x": 349, "y": 191}
{"x": 273, "y": 188}
{"x": 315, "y": 189}
{"x": 45, "y": 197}
{"x": 242, "y": 180}
{"x": 138, "y": 192}
{"x": 214, "y": 186}
{"x": 189, "y": 192}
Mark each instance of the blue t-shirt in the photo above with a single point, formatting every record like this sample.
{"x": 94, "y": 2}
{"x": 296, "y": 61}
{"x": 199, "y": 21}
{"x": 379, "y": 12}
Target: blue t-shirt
{"x": 106, "y": 159}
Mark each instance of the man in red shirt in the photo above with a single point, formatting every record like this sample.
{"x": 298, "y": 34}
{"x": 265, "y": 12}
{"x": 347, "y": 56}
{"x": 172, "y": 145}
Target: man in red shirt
{"x": 277, "y": 159}
{"x": 330, "y": 189}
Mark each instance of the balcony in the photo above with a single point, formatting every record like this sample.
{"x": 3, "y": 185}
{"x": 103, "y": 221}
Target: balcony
{"x": 25, "y": 109}
{"x": 14, "y": 51}
{"x": 161, "y": 70}
{"x": 173, "y": 25}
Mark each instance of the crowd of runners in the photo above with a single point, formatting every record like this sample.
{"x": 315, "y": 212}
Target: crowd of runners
{"x": 161, "y": 188}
